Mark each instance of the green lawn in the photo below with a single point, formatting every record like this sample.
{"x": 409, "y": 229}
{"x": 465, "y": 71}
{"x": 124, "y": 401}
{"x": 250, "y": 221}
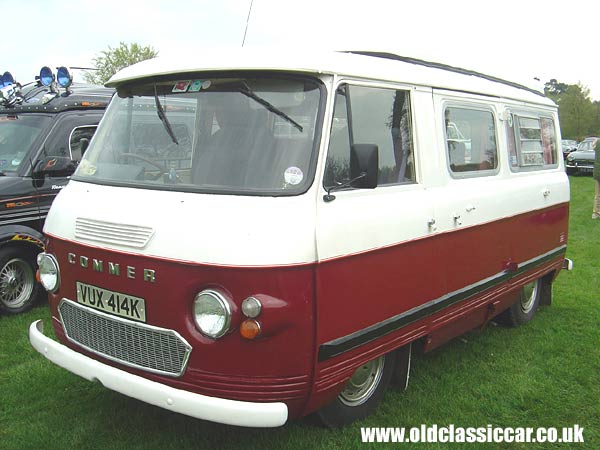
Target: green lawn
{"x": 544, "y": 374}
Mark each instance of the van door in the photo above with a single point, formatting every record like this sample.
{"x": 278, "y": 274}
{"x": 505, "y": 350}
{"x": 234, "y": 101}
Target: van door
{"x": 374, "y": 267}
{"x": 470, "y": 206}
{"x": 539, "y": 185}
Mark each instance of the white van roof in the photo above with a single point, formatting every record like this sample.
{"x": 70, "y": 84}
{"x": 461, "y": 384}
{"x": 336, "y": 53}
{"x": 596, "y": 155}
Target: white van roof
{"x": 371, "y": 65}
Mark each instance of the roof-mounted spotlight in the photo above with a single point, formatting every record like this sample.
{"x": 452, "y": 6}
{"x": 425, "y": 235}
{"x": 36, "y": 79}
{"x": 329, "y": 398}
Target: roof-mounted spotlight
{"x": 64, "y": 77}
{"x": 46, "y": 76}
{"x": 7, "y": 79}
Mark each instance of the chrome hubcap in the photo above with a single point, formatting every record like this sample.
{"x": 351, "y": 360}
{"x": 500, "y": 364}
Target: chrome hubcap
{"x": 363, "y": 383}
{"x": 16, "y": 283}
{"x": 529, "y": 295}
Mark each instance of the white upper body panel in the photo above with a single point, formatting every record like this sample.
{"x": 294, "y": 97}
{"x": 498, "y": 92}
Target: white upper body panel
{"x": 258, "y": 231}
{"x": 192, "y": 227}
{"x": 322, "y": 62}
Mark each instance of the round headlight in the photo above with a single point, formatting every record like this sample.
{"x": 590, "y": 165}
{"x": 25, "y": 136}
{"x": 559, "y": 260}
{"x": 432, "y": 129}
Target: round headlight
{"x": 212, "y": 313}
{"x": 49, "y": 272}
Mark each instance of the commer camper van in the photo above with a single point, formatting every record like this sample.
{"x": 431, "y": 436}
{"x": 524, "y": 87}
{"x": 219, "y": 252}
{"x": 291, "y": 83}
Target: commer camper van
{"x": 259, "y": 235}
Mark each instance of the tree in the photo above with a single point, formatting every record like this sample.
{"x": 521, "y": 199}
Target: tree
{"x": 578, "y": 116}
{"x": 114, "y": 59}
{"x": 554, "y": 89}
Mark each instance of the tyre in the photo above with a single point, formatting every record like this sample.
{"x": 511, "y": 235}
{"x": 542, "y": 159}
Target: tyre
{"x": 523, "y": 310}
{"x": 19, "y": 289}
{"x": 362, "y": 393}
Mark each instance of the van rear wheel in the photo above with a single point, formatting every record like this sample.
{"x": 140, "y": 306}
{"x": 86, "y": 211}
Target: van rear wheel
{"x": 361, "y": 394}
{"x": 523, "y": 310}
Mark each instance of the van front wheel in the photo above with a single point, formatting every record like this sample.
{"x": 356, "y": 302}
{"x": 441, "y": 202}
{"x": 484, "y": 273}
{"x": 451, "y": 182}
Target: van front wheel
{"x": 362, "y": 393}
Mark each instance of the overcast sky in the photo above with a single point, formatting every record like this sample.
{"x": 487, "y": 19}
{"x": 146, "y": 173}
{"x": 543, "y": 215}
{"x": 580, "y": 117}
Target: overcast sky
{"x": 514, "y": 39}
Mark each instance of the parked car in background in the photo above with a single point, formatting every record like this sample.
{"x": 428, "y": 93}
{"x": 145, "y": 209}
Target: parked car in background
{"x": 568, "y": 146}
{"x": 41, "y": 123}
{"x": 582, "y": 160}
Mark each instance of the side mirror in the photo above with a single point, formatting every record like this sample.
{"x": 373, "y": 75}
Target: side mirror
{"x": 54, "y": 166}
{"x": 84, "y": 143}
{"x": 364, "y": 165}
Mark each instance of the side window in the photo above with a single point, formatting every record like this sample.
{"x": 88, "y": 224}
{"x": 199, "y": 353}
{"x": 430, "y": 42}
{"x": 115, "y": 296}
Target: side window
{"x": 470, "y": 140}
{"x": 532, "y": 142}
{"x": 79, "y": 133}
{"x": 366, "y": 115}
{"x": 65, "y": 137}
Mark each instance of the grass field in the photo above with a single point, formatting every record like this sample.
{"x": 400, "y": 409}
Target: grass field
{"x": 544, "y": 374}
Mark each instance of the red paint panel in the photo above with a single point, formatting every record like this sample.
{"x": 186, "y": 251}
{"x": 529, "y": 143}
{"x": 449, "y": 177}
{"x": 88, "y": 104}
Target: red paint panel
{"x": 539, "y": 231}
{"x": 360, "y": 291}
{"x": 230, "y": 367}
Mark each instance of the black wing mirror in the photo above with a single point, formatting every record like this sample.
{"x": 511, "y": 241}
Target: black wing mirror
{"x": 364, "y": 166}
{"x": 84, "y": 143}
{"x": 54, "y": 166}
{"x": 364, "y": 169}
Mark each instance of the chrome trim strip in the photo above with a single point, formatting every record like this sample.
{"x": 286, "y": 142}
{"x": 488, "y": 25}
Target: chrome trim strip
{"x": 24, "y": 219}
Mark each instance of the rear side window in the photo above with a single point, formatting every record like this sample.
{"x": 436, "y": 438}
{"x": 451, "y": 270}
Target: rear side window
{"x": 368, "y": 115}
{"x": 76, "y": 137}
{"x": 531, "y": 142}
{"x": 65, "y": 138}
{"x": 471, "y": 141}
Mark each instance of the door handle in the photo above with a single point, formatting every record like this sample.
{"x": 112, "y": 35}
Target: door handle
{"x": 546, "y": 192}
{"x": 431, "y": 224}
{"x": 457, "y": 219}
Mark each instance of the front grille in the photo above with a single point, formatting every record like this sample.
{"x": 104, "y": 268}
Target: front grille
{"x": 136, "y": 236}
{"x": 134, "y": 344}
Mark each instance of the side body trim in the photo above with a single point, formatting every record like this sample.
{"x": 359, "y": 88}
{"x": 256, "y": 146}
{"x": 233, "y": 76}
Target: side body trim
{"x": 345, "y": 343}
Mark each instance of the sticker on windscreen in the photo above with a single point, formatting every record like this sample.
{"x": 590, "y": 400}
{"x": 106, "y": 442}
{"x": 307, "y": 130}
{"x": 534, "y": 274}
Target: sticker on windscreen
{"x": 198, "y": 85}
{"x": 87, "y": 168}
{"x": 293, "y": 175}
{"x": 195, "y": 86}
{"x": 181, "y": 86}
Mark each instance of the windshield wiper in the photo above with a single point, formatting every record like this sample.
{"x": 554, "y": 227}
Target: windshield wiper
{"x": 163, "y": 118}
{"x": 248, "y": 92}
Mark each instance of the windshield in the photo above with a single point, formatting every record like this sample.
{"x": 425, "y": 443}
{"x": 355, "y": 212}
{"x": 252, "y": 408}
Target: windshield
{"x": 17, "y": 135}
{"x": 242, "y": 135}
{"x": 586, "y": 146}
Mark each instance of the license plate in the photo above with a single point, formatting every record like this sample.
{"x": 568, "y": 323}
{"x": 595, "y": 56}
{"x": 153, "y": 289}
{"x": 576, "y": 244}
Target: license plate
{"x": 116, "y": 303}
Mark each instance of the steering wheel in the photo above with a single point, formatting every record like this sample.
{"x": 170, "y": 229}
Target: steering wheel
{"x": 162, "y": 169}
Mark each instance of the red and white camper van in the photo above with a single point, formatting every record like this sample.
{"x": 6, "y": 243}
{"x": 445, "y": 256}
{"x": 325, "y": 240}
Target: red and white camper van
{"x": 261, "y": 235}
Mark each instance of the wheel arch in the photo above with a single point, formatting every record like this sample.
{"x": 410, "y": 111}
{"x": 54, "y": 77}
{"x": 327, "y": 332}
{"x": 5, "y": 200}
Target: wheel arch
{"x": 18, "y": 235}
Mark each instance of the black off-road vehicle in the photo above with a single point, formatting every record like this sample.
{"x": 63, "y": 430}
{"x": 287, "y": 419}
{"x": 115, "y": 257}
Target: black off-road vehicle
{"x": 45, "y": 126}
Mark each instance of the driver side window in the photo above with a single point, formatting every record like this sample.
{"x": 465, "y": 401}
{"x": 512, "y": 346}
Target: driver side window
{"x": 366, "y": 115}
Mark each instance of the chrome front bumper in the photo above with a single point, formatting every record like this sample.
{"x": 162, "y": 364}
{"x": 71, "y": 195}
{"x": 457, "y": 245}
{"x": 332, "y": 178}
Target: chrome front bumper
{"x": 230, "y": 412}
{"x": 586, "y": 166}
